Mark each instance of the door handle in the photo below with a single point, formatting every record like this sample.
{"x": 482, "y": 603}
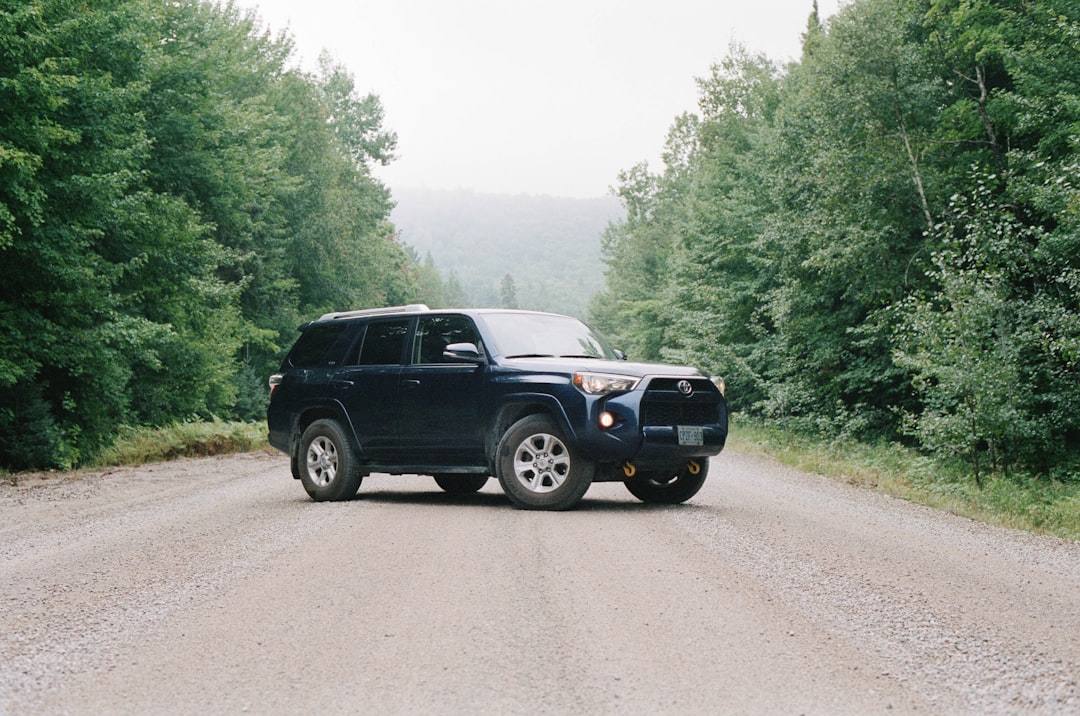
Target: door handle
{"x": 341, "y": 383}
{"x": 410, "y": 383}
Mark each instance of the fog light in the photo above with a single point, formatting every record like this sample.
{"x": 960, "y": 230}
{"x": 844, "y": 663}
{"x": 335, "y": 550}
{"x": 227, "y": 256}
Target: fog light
{"x": 606, "y": 420}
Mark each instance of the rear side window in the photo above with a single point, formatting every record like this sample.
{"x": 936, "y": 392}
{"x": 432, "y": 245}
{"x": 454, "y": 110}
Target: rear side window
{"x": 314, "y": 343}
{"x": 383, "y": 343}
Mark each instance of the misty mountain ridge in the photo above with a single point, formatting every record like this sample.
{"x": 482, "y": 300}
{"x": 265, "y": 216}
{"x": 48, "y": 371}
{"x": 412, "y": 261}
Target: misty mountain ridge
{"x": 550, "y": 246}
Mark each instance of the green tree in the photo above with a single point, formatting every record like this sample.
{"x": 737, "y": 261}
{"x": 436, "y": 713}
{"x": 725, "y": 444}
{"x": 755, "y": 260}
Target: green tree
{"x": 453, "y": 292}
{"x": 994, "y": 354}
{"x": 856, "y": 192}
{"x": 174, "y": 198}
{"x": 993, "y": 342}
{"x": 633, "y": 310}
{"x": 508, "y": 292}
{"x": 819, "y": 235}
{"x": 716, "y": 261}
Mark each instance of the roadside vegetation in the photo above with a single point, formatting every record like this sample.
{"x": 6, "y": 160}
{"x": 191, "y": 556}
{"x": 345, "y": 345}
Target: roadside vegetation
{"x": 1031, "y": 504}
{"x": 138, "y": 446}
{"x": 879, "y": 243}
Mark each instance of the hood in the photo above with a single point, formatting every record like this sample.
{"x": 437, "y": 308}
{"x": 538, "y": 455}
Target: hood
{"x": 616, "y": 367}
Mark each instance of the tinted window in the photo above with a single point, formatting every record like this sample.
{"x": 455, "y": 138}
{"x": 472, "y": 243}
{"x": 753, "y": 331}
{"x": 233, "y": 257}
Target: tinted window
{"x": 537, "y": 334}
{"x": 313, "y": 344}
{"x": 383, "y": 343}
{"x": 435, "y": 333}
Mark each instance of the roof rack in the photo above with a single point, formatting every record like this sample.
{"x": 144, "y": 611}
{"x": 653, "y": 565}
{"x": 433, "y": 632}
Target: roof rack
{"x": 411, "y": 308}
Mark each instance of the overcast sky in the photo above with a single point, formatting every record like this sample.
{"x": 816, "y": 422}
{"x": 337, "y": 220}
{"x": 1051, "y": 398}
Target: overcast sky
{"x": 532, "y": 96}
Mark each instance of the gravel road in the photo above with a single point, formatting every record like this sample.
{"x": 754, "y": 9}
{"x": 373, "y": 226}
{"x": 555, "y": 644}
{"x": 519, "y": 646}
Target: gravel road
{"x": 215, "y": 586}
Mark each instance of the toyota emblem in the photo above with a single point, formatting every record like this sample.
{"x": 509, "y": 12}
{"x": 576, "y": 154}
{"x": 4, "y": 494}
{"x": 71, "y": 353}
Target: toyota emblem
{"x": 686, "y": 388}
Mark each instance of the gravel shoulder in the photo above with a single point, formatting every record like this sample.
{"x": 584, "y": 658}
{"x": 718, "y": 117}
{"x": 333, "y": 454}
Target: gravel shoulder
{"x": 214, "y": 585}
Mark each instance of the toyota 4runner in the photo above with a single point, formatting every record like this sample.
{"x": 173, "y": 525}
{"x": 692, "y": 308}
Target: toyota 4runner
{"x": 538, "y": 400}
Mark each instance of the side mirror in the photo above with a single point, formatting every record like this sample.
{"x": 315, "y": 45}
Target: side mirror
{"x": 620, "y": 355}
{"x": 463, "y": 353}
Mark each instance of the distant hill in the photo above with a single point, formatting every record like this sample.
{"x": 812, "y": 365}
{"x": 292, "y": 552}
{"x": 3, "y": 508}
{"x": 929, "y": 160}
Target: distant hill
{"x": 549, "y": 245}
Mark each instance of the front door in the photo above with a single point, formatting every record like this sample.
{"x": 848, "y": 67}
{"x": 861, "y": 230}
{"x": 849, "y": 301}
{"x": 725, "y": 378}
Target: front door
{"x": 440, "y": 398}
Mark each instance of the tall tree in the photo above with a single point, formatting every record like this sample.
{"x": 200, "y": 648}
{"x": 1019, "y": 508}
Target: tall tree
{"x": 109, "y": 298}
{"x": 155, "y": 240}
{"x": 993, "y": 342}
{"x": 637, "y": 250}
{"x": 855, "y": 196}
{"x": 719, "y": 275}
{"x": 508, "y": 292}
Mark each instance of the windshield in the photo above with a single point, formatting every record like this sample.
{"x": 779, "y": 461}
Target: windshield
{"x": 526, "y": 335}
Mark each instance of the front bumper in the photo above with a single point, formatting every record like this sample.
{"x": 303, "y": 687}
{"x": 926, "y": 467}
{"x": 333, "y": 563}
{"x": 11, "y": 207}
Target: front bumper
{"x": 651, "y": 445}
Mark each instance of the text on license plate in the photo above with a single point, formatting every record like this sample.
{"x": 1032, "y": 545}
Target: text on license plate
{"x": 691, "y": 435}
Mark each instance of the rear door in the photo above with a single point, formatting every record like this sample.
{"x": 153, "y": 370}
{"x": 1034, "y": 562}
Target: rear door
{"x": 368, "y": 386}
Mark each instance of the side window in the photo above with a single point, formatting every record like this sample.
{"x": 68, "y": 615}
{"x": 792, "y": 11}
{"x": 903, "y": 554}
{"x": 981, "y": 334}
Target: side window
{"x": 383, "y": 343}
{"x": 435, "y": 333}
{"x": 314, "y": 343}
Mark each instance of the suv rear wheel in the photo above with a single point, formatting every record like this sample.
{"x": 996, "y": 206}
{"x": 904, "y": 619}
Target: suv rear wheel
{"x": 327, "y": 467}
{"x": 671, "y": 486}
{"x": 537, "y": 469}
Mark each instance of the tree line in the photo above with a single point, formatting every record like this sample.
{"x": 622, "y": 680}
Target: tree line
{"x": 175, "y": 198}
{"x": 880, "y": 240}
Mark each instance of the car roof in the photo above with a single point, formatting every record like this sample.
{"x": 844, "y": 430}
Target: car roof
{"x": 389, "y": 310}
{"x": 414, "y": 308}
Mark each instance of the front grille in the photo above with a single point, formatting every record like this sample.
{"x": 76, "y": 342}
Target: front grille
{"x": 701, "y": 385}
{"x": 663, "y": 413}
{"x": 664, "y": 404}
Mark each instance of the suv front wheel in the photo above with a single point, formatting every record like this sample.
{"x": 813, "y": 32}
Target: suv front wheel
{"x": 326, "y": 463}
{"x": 537, "y": 469}
{"x": 672, "y": 486}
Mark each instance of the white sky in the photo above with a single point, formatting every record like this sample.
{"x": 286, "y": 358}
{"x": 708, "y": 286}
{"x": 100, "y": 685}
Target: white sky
{"x": 532, "y": 96}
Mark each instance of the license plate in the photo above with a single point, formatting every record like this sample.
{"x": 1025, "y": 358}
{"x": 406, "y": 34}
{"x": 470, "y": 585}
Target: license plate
{"x": 691, "y": 435}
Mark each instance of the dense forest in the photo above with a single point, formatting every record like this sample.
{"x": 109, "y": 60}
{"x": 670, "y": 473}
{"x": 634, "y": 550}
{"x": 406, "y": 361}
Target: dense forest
{"x": 549, "y": 247}
{"x": 880, "y": 240}
{"x": 175, "y": 198}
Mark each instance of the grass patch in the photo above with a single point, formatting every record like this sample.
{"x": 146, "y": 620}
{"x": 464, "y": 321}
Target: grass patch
{"x": 1032, "y": 504}
{"x": 137, "y": 446}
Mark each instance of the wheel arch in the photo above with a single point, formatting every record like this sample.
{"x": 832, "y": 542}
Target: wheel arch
{"x": 322, "y": 412}
{"x": 522, "y": 406}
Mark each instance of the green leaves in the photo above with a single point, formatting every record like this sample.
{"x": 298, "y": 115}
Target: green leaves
{"x": 883, "y": 240}
{"x": 173, "y": 198}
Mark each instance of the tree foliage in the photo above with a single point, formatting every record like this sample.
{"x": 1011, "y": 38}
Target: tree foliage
{"x": 879, "y": 239}
{"x": 174, "y": 197}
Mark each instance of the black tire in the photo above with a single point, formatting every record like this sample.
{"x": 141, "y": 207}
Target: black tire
{"x": 294, "y": 463}
{"x": 327, "y": 466}
{"x": 537, "y": 468}
{"x": 461, "y": 484}
{"x": 669, "y": 487}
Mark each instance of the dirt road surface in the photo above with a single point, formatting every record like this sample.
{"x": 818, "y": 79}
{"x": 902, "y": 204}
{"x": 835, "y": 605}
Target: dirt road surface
{"x": 215, "y": 586}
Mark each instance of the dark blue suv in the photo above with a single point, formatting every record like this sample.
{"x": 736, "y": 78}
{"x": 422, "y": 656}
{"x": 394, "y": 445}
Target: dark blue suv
{"x": 539, "y": 400}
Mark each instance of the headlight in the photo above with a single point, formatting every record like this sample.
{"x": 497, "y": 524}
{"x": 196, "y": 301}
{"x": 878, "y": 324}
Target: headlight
{"x": 719, "y": 383}
{"x": 603, "y": 383}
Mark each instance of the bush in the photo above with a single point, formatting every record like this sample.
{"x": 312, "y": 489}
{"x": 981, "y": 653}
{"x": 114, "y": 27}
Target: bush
{"x": 30, "y": 439}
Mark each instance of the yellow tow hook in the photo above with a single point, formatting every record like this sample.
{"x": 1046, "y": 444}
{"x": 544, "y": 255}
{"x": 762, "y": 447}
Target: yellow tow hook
{"x": 628, "y": 469}
{"x": 693, "y": 467}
